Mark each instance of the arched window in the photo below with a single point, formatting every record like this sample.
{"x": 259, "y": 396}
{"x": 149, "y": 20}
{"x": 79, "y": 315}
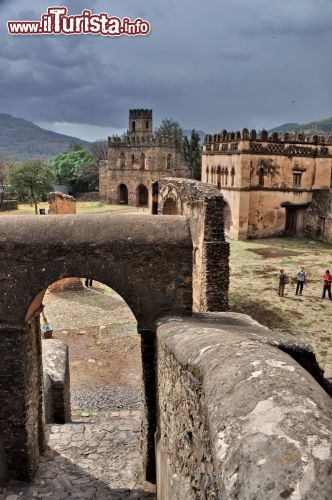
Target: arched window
{"x": 142, "y": 161}
{"x": 218, "y": 178}
{"x": 226, "y": 176}
{"x": 212, "y": 175}
{"x": 223, "y": 176}
{"x": 132, "y": 159}
{"x": 261, "y": 176}
{"x": 207, "y": 174}
{"x": 122, "y": 160}
{"x": 168, "y": 161}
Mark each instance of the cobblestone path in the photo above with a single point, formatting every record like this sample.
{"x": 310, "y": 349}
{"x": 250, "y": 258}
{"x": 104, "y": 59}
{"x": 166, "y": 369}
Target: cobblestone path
{"x": 101, "y": 459}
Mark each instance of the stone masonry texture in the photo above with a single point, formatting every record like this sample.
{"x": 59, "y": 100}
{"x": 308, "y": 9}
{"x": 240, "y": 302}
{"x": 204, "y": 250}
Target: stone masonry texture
{"x": 237, "y": 417}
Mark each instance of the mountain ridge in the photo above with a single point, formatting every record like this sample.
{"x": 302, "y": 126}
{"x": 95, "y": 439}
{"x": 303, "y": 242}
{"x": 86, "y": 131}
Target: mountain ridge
{"x": 23, "y": 140}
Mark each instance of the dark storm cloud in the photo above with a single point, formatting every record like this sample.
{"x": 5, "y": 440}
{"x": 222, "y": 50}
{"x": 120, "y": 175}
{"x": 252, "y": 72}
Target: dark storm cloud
{"x": 213, "y": 65}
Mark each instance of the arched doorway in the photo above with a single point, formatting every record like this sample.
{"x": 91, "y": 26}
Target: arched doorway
{"x": 142, "y": 196}
{"x": 170, "y": 207}
{"x": 122, "y": 194}
{"x": 108, "y": 249}
{"x": 227, "y": 216}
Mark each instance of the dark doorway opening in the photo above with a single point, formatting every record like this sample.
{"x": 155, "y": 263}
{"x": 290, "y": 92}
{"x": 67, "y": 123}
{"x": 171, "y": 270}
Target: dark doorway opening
{"x": 291, "y": 222}
{"x": 142, "y": 196}
{"x": 123, "y": 194}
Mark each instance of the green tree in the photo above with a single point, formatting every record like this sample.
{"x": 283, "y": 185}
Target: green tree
{"x": 67, "y": 165}
{"x": 31, "y": 179}
{"x": 170, "y": 128}
{"x": 192, "y": 151}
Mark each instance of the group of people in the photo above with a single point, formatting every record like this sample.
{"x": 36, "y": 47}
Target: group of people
{"x": 300, "y": 280}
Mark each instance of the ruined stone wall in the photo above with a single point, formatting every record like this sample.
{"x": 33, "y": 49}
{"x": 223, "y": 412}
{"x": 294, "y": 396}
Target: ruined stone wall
{"x": 318, "y": 220}
{"x": 237, "y": 417}
{"x": 21, "y": 420}
{"x": 203, "y": 206}
{"x": 60, "y": 203}
{"x": 56, "y": 381}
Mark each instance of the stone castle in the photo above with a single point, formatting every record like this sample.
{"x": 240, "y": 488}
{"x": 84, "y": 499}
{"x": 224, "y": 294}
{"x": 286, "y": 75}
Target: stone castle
{"x": 271, "y": 184}
{"x": 137, "y": 160}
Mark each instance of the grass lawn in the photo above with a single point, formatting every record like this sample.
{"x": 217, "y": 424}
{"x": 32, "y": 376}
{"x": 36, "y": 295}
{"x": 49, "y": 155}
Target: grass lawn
{"x": 82, "y": 207}
{"x": 254, "y": 266}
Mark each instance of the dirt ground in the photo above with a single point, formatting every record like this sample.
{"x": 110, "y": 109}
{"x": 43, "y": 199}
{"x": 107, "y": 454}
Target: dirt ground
{"x": 254, "y": 266}
{"x": 104, "y": 347}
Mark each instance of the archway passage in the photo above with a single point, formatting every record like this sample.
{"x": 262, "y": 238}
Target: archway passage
{"x": 111, "y": 249}
{"x": 170, "y": 207}
{"x": 123, "y": 194}
{"x": 142, "y": 196}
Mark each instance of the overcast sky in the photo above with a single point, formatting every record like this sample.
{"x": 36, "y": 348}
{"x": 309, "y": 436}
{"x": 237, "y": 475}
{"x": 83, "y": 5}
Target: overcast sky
{"x": 209, "y": 64}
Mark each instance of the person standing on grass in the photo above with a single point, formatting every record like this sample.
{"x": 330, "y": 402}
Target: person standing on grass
{"x": 283, "y": 280}
{"x": 327, "y": 282}
{"x": 300, "y": 279}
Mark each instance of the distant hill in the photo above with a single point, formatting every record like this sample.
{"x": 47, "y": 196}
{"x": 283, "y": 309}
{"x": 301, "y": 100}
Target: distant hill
{"x": 320, "y": 127}
{"x": 23, "y": 140}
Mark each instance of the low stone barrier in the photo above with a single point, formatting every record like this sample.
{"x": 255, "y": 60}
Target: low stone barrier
{"x": 238, "y": 418}
{"x": 56, "y": 381}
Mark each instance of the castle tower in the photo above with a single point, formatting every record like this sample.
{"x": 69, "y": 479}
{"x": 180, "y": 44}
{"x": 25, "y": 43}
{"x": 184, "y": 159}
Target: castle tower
{"x": 140, "y": 123}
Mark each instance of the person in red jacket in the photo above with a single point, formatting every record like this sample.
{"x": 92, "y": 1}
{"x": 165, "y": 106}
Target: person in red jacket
{"x": 327, "y": 281}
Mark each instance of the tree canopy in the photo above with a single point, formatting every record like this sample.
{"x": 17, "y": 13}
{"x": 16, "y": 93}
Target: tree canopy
{"x": 193, "y": 154}
{"x": 77, "y": 168}
{"x": 32, "y": 180}
{"x": 170, "y": 128}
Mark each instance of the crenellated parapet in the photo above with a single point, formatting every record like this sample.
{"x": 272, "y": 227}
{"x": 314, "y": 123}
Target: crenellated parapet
{"x": 136, "y": 140}
{"x": 285, "y": 143}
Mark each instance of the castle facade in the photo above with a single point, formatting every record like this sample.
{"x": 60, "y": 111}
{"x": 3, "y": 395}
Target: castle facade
{"x": 137, "y": 160}
{"x": 267, "y": 181}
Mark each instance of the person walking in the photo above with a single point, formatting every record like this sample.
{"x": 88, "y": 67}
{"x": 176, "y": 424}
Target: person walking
{"x": 327, "y": 282}
{"x": 283, "y": 280}
{"x": 300, "y": 279}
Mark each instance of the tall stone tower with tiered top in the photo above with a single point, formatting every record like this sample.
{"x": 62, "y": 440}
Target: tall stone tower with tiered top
{"x": 137, "y": 160}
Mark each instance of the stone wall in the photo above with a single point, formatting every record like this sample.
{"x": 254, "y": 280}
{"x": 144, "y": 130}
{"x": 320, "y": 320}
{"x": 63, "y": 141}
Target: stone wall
{"x": 237, "y": 417}
{"x": 9, "y": 205}
{"x": 318, "y": 220}
{"x": 60, "y": 203}
{"x": 203, "y": 206}
{"x": 56, "y": 381}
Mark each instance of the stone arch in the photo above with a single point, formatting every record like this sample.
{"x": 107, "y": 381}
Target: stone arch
{"x": 122, "y": 194}
{"x": 142, "y": 196}
{"x": 38, "y": 251}
{"x": 170, "y": 207}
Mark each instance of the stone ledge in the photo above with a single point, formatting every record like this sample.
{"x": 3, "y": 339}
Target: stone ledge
{"x": 268, "y": 420}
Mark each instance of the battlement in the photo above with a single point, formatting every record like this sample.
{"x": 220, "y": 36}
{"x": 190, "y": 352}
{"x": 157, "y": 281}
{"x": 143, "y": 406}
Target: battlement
{"x": 262, "y": 142}
{"x": 140, "y": 114}
{"x": 264, "y": 136}
{"x": 137, "y": 140}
